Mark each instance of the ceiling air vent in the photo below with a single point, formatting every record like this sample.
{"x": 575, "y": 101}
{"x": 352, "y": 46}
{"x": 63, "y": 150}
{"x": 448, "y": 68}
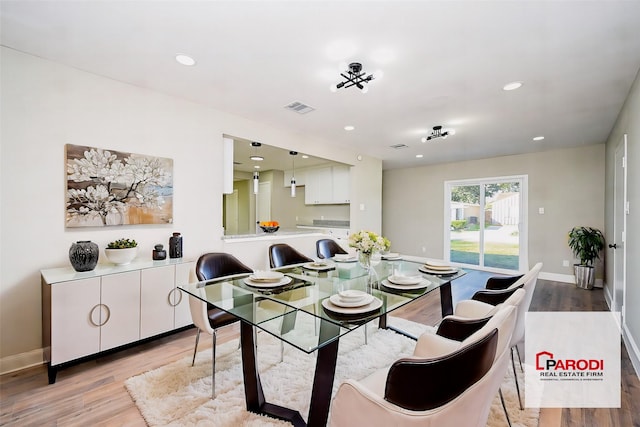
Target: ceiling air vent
{"x": 299, "y": 107}
{"x": 399, "y": 146}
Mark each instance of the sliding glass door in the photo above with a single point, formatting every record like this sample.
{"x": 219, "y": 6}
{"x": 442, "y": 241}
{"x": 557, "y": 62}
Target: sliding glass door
{"x": 486, "y": 222}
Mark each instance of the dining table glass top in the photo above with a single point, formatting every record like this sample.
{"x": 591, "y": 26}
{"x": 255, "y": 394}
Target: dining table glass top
{"x": 299, "y": 309}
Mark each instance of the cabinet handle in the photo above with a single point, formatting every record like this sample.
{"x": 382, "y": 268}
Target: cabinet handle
{"x": 171, "y": 300}
{"x": 94, "y": 309}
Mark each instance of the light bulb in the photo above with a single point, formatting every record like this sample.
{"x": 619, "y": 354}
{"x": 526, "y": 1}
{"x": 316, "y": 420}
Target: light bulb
{"x": 365, "y": 89}
{"x": 333, "y": 88}
{"x": 293, "y": 187}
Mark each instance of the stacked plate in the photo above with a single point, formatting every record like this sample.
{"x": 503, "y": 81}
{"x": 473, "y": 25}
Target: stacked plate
{"x": 438, "y": 268}
{"x": 344, "y": 258}
{"x": 267, "y": 279}
{"x": 391, "y": 256}
{"x": 352, "y": 302}
{"x": 403, "y": 282}
{"x": 319, "y": 266}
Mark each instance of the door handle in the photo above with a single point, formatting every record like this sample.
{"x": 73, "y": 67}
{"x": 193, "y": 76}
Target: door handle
{"x": 614, "y": 246}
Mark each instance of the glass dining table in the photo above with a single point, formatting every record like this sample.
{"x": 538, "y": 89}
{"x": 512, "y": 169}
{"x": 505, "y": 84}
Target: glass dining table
{"x": 299, "y": 309}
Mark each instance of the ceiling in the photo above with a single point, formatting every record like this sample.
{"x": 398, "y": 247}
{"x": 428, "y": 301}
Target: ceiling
{"x": 444, "y": 63}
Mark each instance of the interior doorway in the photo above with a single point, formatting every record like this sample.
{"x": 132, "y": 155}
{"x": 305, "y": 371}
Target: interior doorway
{"x": 619, "y": 226}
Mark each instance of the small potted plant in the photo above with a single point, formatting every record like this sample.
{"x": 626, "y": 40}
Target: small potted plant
{"x": 121, "y": 251}
{"x": 586, "y": 244}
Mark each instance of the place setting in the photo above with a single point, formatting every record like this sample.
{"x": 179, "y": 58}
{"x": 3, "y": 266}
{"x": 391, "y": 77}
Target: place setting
{"x": 267, "y": 279}
{"x": 319, "y": 266}
{"x": 405, "y": 282}
{"x": 351, "y": 302}
{"x": 391, "y": 256}
{"x": 438, "y": 268}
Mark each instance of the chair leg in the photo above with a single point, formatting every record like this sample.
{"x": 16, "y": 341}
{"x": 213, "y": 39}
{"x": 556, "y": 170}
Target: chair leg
{"x": 195, "y": 350}
{"x": 213, "y": 366}
{"x": 519, "y": 359}
{"x": 365, "y": 334}
{"x": 504, "y": 406}
{"x": 515, "y": 377}
{"x": 281, "y": 351}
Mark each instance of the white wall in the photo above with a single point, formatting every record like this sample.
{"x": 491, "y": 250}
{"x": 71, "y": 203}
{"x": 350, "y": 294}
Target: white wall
{"x": 568, "y": 184}
{"x": 45, "y": 106}
{"x": 628, "y": 123}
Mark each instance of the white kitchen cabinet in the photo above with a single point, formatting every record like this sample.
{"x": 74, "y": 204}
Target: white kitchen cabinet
{"x": 340, "y": 184}
{"x": 86, "y": 313}
{"x": 329, "y": 185}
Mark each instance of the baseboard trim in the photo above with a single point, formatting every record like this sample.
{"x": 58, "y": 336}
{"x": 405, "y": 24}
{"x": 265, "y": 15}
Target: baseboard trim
{"x": 21, "y": 361}
{"x": 632, "y": 349}
{"x": 566, "y": 278}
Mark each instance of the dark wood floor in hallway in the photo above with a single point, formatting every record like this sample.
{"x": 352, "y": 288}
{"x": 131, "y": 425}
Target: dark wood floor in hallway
{"x": 93, "y": 393}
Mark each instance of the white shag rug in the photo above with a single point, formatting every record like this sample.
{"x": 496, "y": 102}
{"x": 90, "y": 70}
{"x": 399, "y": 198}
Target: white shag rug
{"x": 180, "y": 395}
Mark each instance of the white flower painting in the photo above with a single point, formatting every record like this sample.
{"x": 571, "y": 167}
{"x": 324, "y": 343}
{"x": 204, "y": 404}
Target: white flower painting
{"x": 106, "y": 187}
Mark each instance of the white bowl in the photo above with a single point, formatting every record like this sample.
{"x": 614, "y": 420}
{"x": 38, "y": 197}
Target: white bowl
{"x": 351, "y": 295}
{"x": 121, "y": 256}
{"x": 267, "y": 275}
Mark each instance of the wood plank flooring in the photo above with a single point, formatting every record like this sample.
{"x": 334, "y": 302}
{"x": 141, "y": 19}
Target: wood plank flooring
{"x": 93, "y": 393}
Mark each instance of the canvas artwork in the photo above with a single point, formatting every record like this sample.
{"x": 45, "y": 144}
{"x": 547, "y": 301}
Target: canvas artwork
{"x": 107, "y": 187}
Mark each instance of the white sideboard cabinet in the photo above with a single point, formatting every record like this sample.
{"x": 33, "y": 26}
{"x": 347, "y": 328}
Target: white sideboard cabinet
{"x": 86, "y": 313}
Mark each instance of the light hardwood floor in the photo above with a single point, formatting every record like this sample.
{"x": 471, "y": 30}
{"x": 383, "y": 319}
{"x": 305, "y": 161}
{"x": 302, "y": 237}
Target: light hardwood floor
{"x": 93, "y": 393}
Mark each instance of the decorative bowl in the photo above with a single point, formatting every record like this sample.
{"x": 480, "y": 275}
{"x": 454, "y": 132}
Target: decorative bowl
{"x": 269, "y": 229}
{"x": 121, "y": 256}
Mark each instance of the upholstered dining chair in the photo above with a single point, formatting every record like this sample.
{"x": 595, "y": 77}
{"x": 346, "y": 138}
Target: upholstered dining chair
{"x": 485, "y": 301}
{"x": 445, "y": 383}
{"x": 206, "y": 317}
{"x": 327, "y": 248}
{"x": 281, "y": 254}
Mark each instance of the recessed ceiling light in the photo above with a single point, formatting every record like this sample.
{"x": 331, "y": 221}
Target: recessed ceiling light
{"x": 349, "y": 127}
{"x": 538, "y": 138}
{"x": 512, "y": 86}
{"x": 185, "y": 60}
{"x": 419, "y": 156}
{"x": 304, "y": 156}
{"x": 256, "y": 167}
{"x": 257, "y": 158}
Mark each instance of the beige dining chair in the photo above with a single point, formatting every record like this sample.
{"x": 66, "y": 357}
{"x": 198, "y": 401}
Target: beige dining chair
{"x": 457, "y": 381}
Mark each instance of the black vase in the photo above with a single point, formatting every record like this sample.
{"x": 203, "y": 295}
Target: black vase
{"x": 175, "y": 246}
{"x": 84, "y": 255}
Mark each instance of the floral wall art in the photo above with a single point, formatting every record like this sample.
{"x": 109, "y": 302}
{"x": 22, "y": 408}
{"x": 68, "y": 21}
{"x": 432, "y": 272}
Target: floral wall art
{"x": 107, "y": 187}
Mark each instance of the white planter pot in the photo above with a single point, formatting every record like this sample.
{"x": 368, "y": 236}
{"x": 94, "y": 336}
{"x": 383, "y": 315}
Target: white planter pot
{"x": 585, "y": 276}
{"x": 121, "y": 256}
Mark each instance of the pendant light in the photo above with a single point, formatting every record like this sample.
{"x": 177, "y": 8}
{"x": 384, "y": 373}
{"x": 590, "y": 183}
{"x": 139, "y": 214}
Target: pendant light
{"x": 256, "y": 182}
{"x": 293, "y": 173}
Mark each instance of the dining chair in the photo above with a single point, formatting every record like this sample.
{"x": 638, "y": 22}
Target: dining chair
{"x": 281, "y": 254}
{"x": 485, "y": 301}
{"x": 445, "y": 383}
{"x": 206, "y": 317}
{"x": 327, "y": 248}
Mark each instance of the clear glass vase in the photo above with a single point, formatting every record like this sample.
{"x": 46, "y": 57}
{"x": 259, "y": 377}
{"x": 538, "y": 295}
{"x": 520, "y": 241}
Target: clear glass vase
{"x": 364, "y": 259}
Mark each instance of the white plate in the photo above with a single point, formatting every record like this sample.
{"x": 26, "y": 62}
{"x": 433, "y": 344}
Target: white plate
{"x": 347, "y": 303}
{"x": 427, "y": 270}
{"x": 341, "y": 259}
{"x": 423, "y": 284}
{"x": 405, "y": 280}
{"x": 372, "y": 306}
{"x": 318, "y": 265}
{"x": 435, "y": 263}
{"x": 266, "y": 276}
{"x": 263, "y": 284}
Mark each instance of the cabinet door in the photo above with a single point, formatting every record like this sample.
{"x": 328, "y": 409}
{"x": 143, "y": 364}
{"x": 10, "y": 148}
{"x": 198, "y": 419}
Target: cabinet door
{"x": 319, "y": 186}
{"x": 185, "y": 273}
{"x": 120, "y": 297}
{"x": 341, "y": 184}
{"x": 156, "y": 309}
{"x": 75, "y": 319}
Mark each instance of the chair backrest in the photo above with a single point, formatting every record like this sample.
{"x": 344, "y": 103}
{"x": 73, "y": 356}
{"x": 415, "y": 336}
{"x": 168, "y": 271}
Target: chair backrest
{"x": 327, "y": 248}
{"x": 530, "y": 281}
{"x": 281, "y": 254}
{"x": 199, "y": 313}
{"x": 219, "y": 264}
{"x": 425, "y": 384}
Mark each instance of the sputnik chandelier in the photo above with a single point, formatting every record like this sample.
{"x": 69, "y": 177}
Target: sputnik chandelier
{"x": 354, "y": 76}
{"x": 438, "y": 132}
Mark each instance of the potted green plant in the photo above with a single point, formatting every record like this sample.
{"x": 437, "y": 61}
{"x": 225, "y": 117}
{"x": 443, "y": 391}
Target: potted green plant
{"x": 121, "y": 251}
{"x": 586, "y": 244}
